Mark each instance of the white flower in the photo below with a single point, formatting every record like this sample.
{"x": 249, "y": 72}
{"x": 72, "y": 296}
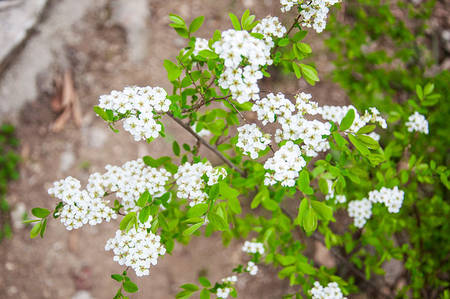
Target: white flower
{"x": 252, "y": 268}
{"x": 251, "y": 140}
{"x": 392, "y": 198}
{"x": 331, "y": 291}
{"x": 270, "y": 26}
{"x": 253, "y": 247}
{"x": 360, "y": 210}
{"x": 190, "y": 182}
{"x": 137, "y": 249}
{"x": 417, "y": 122}
{"x": 140, "y": 104}
{"x": 200, "y": 44}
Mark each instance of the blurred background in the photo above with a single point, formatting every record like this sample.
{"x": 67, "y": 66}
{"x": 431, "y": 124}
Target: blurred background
{"x": 56, "y": 58}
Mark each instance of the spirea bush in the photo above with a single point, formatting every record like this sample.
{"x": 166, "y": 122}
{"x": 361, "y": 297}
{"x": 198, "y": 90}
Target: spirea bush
{"x": 332, "y": 162}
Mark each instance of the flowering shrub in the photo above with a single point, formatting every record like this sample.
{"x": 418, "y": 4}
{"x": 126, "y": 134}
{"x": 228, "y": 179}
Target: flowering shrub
{"x": 324, "y": 158}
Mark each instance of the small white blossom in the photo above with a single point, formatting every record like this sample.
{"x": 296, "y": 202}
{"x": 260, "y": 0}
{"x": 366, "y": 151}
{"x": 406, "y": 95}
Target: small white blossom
{"x": 252, "y": 268}
{"x": 253, "y": 247}
{"x": 200, "y": 44}
{"x": 360, "y": 210}
{"x": 392, "y": 198}
{"x": 331, "y": 291}
{"x": 190, "y": 183}
{"x": 417, "y": 122}
{"x": 251, "y": 140}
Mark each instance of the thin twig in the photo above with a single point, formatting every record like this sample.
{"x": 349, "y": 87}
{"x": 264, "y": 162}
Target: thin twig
{"x": 205, "y": 143}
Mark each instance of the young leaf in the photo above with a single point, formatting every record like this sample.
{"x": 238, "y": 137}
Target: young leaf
{"x": 176, "y": 148}
{"x": 197, "y": 210}
{"x": 125, "y": 223}
{"x": 359, "y": 146}
{"x": 204, "y": 294}
{"x": 204, "y": 281}
{"x": 323, "y": 211}
{"x": 144, "y": 214}
{"x": 43, "y": 227}
{"x": 130, "y": 287}
{"x": 196, "y": 24}
{"x": 309, "y": 72}
{"x": 40, "y": 212}
{"x": 310, "y": 221}
{"x": 235, "y": 21}
{"x": 366, "y": 129}
{"x": 173, "y": 71}
{"x": 190, "y": 287}
{"x": 117, "y": 277}
{"x": 348, "y": 119}
{"x": 35, "y": 230}
{"x": 190, "y": 230}
{"x": 143, "y": 199}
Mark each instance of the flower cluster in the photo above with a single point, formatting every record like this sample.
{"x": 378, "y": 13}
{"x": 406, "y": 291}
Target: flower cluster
{"x": 226, "y": 289}
{"x": 337, "y": 113}
{"x": 251, "y": 140}
{"x": 286, "y": 5}
{"x": 138, "y": 249}
{"x": 88, "y": 206}
{"x": 251, "y": 268}
{"x": 253, "y": 247}
{"x": 331, "y": 291}
{"x": 270, "y": 26}
{"x": 200, "y": 44}
{"x": 191, "y": 183}
{"x": 80, "y": 206}
{"x": 392, "y": 198}
{"x": 361, "y": 211}
{"x": 417, "y": 122}
{"x": 286, "y": 164}
{"x": 314, "y": 13}
{"x": 339, "y": 198}
{"x": 237, "y": 48}
{"x": 138, "y": 105}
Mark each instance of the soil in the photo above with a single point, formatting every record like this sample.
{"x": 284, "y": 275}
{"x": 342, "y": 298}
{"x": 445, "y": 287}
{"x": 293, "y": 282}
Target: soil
{"x": 74, "y": 264}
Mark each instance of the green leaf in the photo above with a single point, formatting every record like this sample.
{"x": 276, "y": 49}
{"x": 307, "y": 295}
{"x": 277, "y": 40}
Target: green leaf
{"x": 428, "y": 88}
{"x": 190, "y": 230}
{"x": 235, "y": 21}
{"x": 129, "y": 218}
{"x": 177, "y": 19}
{"x": 144, "y": 214}
{"x": 234, "y": 204}
{"x": 305, "y": 48}
{"x": 309, "y": 72}
{"x": 176, "y": 148}
{"x": 369, "y": 141}
{"x": 419, "y": 92}
{"x": 358, "y": 145}
{"x": 197, "y": 210}
{"x": 117, "y": 277}
{"x": 296, "y": 69}
{"x": 204, "y": 294}
{"x": 310, "y": 221}
{"x": 270, "y": 204}
{"x": 324, "y": 212}
{"x": 43, "y": 227}
{"x": 196, "y": 24}
{"x": 102, "y": 113}
{"x": 40, "y": 212}
{"x": 323, "y": 186}
{"x": 190, "y": 287}
{"x": 35, "y": 230}
{"x": 283, "y": 42}
{"x": 302, "y": 209}
{"x": 208, "y": 54}
{"x": 262, "y": 195}
{"x": 348, "y": 119}
{"x": 173, "y": 71}
{"x": 303, "y": 180}
{"x": 143, "y": 199}
{"x": 340, "y": 141}
{"x": 130, "y": 287}
{"x": 204, "y": 281}
{"x": 217, "y": 221}
{"x": 366, "y": 129}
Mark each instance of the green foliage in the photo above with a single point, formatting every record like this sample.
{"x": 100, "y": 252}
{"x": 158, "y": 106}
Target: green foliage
{"x": 9, "y": 161}
{"x": 381, "y": 60}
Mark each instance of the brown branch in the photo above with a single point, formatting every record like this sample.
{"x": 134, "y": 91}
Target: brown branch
{"x": 205, "y": 143}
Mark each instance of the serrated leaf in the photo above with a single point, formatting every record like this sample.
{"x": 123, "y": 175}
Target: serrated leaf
{"x": 129, "y": 218}
{"x": 305, "y": 48}
{"x": 310, "y": 221}
{"x": 369, "y": 141}
{"x": 283, "y": 42}
{"x": 262, "y": 195}
{"x": 358, "y": 145}
{"x": 366, "y": 129}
